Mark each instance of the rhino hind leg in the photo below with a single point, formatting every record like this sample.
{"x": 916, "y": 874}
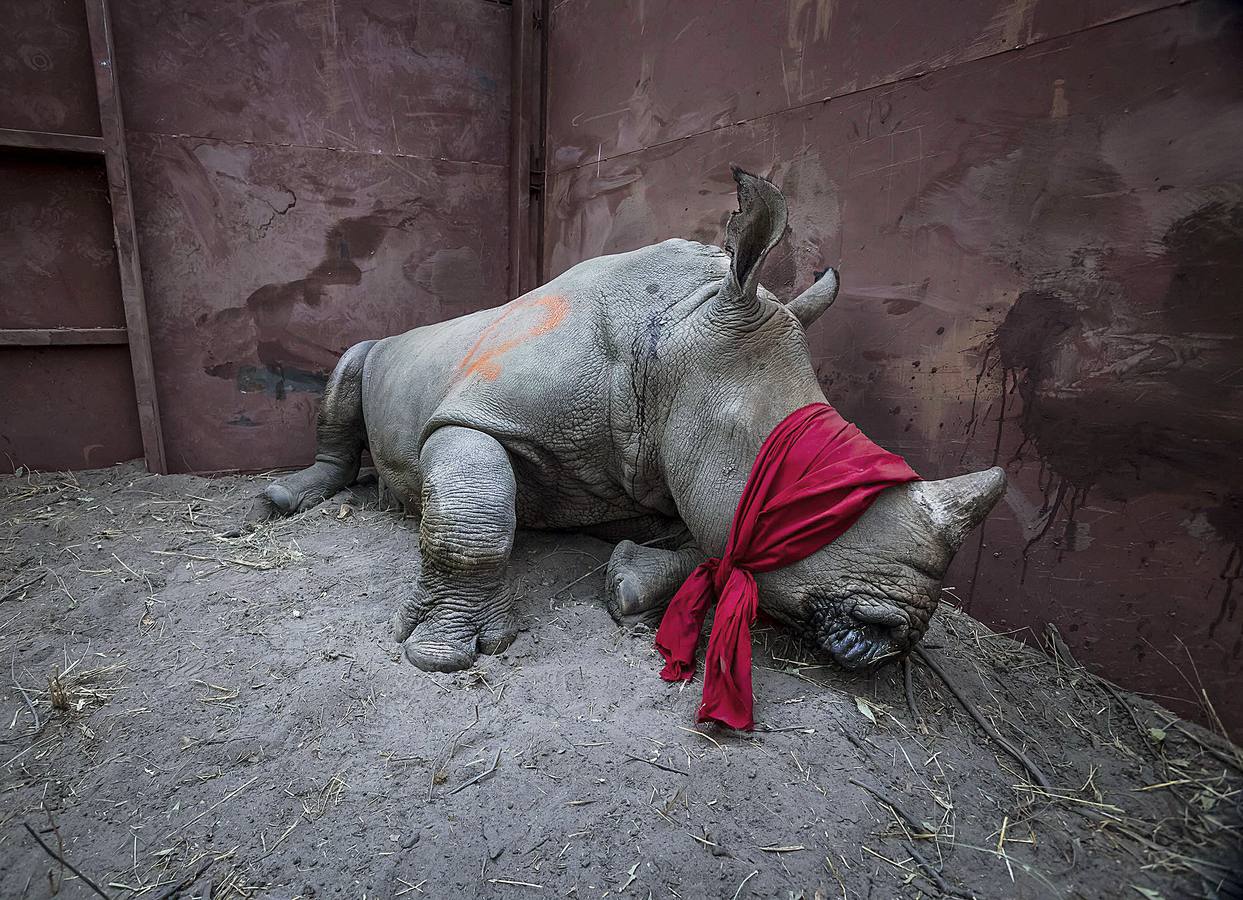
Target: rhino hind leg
{"x": 340, "y": 437}
{"x": 461, "y": 604}
{"x": 640, "y": 581}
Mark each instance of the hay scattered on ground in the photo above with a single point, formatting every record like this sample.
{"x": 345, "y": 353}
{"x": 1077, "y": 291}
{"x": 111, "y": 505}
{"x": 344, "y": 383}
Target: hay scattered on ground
{"x": 191, "y": 713}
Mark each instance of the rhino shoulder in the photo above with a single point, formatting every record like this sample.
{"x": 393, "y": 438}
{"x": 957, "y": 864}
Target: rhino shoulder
{"x": 668, "y": 254}
{"x": 672, "y": 268}
{"x": 691, "y": 252}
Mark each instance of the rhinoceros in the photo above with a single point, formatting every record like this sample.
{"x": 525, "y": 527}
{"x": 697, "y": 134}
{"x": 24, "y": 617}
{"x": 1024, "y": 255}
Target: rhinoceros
{"x": 626, "y": 398}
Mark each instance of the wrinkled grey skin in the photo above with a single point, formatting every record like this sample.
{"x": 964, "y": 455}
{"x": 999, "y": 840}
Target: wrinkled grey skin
{"x": 627, "y": 397}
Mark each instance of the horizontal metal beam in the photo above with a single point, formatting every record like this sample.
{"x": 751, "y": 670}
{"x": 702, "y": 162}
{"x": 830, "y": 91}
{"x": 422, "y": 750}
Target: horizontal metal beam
{"x": 61, "y": 337}
{"x": 50, "y": 140}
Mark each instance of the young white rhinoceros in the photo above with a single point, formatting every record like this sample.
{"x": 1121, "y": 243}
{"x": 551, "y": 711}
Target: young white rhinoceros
{"x": 626, "y": 398}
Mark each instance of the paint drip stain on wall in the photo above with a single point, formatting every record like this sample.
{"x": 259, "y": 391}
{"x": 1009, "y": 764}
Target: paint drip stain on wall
{"x": 1126, "y": 392}
{"x": 256, "y": 345}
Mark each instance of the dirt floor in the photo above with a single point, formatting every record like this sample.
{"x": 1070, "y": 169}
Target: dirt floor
{"x": 187, "y": 714}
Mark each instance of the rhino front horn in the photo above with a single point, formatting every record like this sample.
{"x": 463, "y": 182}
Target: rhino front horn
{"x": 957, "y": 505}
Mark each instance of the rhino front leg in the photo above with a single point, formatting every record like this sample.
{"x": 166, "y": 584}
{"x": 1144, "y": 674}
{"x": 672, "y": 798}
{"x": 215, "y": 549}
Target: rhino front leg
{"x": 642, "y": 580}
{"x": 462, "y": 599}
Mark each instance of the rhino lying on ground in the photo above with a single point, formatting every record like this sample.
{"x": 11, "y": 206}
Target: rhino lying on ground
{"x": 626, "y": 398}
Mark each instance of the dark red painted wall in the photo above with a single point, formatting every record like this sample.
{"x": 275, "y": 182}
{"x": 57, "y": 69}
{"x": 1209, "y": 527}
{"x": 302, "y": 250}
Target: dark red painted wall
{"x": 1037, "y": 209}
{"x": 46, "y": 79}
{"x": 68, "y": 407}
{"x": 306, "y": 175}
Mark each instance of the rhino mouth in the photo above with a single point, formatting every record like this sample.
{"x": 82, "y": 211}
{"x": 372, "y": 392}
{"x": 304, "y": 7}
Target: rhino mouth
{"x": 868, "y": 637}
{"x": 860, "y": 646}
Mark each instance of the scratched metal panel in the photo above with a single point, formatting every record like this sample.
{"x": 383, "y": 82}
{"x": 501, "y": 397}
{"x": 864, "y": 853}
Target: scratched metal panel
{"x": 57, "y": 263}
{"x": 634, "y": 74}
{"x": 421, "y": 79}
{"x": 67, "y": 408}
{"x": 306, "y": 175}
{"x": 263, "y": 264}
{"x": 46, "y": 80}
{"x": 1042, "y": 264}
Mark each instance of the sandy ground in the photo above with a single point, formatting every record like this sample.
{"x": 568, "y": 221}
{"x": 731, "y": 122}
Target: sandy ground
{"x": 191, "y": 715}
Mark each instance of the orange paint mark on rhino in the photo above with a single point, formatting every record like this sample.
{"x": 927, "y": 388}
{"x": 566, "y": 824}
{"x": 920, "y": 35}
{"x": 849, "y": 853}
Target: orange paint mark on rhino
{"x": 483, "y": 358}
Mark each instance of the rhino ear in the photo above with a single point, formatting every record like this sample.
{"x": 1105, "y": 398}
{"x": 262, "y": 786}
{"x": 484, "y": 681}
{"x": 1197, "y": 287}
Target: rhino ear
{"x": 808, "y": 305}
{"x": 957, "y": 505}
{"x": 751, "y": 233}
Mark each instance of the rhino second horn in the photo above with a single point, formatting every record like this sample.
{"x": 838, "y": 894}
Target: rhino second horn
{"x": 809, "y": 305}
{"x": 957, "y": 505}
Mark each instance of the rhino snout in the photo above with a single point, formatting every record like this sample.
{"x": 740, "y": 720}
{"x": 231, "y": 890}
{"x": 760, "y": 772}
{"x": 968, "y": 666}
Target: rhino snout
{"x": 868, "y": 636}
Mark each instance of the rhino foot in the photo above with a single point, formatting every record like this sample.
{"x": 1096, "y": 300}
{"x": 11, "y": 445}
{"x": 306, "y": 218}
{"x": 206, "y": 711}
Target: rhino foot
{"x": 295, "y": 493}
{"x": 641, "y": 581}
{"x": 439, "y": 656}
{"x": 436, "y": 641}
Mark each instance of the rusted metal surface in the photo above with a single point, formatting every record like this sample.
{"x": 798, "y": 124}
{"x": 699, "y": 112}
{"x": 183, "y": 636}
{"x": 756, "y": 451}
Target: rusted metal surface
{"x": 631, "y": 74}
{"x": 67, "y": 407}
{"x": 539, "y": 178}
{"x": 64, "y": 405}
{"x": 524, "y": 72}
{"x": 45, "y": 67}
{"x": 426, "y": 79}
{"x": 306, "y": 176}
{"x": 57, "y": 263}
{"x": 116, "y": 161}
{"x": 265, "y": 263}
{"x": 72, "y": 403}
{"x": 1042, "y": 259}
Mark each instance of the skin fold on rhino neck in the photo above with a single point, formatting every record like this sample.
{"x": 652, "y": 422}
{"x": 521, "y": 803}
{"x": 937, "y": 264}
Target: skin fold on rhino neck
{"x": 711, "y": 443}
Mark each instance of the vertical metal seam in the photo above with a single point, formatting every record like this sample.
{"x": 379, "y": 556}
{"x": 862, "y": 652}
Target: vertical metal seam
{"x": 545, "y": 38}
{"x": 519, "y": 177}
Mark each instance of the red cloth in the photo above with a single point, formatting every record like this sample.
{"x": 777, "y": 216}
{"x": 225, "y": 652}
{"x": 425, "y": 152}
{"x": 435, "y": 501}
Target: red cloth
{"x": 814, "y": 476}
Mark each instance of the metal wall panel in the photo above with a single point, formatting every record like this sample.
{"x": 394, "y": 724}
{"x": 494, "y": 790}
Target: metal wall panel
{"x": 630, "y": 74}
{"x": 69, "y": 403}
{"x": 46, "y": 81}
{"x": 305, "y": 175}
{"x": 425, "y": 79}
{"x": 67, "y": 407}
{"x": 57, "y": 263}
{"x": 266, "y": 263}
{"x": 1042, "y": 260}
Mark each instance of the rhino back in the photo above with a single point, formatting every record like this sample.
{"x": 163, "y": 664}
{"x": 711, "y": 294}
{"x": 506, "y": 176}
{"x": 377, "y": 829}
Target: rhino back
{"x": 542, "y": 374}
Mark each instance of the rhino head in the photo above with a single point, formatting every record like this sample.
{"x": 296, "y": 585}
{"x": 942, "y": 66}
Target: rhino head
{"x": 868, "y": 596}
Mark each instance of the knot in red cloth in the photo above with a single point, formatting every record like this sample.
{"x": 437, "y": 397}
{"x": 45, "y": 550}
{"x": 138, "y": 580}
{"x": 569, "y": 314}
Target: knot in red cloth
{"x": 814, "y": 476}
